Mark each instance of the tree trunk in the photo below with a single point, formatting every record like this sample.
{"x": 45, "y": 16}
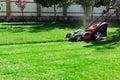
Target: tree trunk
{"x": 84, "y": 17}
{"x": 92, "y": 12}
{"x": 86, "y": 14}
{"x": 64, "y": 11}
{"x": 54, "y": 12}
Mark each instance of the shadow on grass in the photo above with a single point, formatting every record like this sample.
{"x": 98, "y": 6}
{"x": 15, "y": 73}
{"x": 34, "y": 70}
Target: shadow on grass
{"x": 109, "y": 43}
{"x": 23, "y": 43}
{"x": 37, "y": 27}
{"x": 20, "y": 23}
{"x": 12, "y": 29}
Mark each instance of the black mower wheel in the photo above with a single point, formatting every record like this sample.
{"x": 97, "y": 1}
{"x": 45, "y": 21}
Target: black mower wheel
{"x": 97, "y": 36}
{"x": 68, "y": 35}
{"x": 78, "y": 38}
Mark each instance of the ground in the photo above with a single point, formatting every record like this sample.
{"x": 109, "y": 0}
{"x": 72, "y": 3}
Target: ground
{"x": 40, "y": 51}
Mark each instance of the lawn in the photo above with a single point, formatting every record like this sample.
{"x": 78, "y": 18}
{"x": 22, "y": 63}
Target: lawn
{"x": 40, "y": 51}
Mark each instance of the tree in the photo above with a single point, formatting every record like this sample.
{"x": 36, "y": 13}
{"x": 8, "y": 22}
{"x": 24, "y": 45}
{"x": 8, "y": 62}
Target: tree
{"x": 96, "y": 1}
{"x": 49, "y": 3}
{"x": 86, "y": 4}
{"x": 65, "y": 4}
{"x": 99, "y": 3}
{"x": 21, "y": 4}
{"x": 54, "y": 3}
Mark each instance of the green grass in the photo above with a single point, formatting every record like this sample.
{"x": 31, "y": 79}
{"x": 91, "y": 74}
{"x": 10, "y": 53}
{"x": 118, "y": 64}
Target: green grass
{"x": 40, "y": 51}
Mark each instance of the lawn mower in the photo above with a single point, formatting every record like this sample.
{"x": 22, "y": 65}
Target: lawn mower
{"x": 94, "y": 31}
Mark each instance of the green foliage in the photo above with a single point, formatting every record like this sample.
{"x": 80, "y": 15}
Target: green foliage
{"x": 97, "y": 3}
{"x": 86, "y": 2}
{"x": 102, "y": 3}
{"x": 47, "y": 3}
{"x": 65, "y": 3}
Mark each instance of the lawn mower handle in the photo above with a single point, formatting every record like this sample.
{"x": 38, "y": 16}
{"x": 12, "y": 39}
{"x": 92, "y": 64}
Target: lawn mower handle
{"x": 103, "y": 12}
{"x": 109, "y": 16}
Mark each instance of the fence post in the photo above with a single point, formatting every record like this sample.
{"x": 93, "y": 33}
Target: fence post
{"x": 8, "y": 8}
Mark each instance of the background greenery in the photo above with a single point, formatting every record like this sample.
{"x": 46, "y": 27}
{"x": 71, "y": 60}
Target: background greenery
{"x": 40, "y": 51}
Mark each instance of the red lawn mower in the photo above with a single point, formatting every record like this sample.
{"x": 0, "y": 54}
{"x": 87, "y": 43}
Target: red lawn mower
{"x": 92, "y": 32}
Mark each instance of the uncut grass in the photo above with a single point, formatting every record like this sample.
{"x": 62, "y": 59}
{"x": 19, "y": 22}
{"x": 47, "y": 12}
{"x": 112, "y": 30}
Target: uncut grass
{"x": 55, "y": 58}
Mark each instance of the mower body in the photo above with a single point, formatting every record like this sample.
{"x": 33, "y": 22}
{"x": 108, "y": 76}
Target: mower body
{"x": 94, "y": 32}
